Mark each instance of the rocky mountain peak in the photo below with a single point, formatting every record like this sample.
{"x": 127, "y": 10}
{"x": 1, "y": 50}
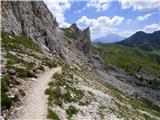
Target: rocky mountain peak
{"x": 75, "y": 27}
{"x": 81, "y": 39}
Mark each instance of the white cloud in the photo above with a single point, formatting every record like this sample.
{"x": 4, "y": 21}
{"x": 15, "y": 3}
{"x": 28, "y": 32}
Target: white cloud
{"x": 140, "y": 4}
{"x": 151, "y": 28}
{"x": 100, "y": 5}
{"x": 129, "y": 21}
{"x": 100, "y": 26}
{"x": 148, "y": 29}
{"x": 145, "y": 17}
{"x": 58, "y": 8}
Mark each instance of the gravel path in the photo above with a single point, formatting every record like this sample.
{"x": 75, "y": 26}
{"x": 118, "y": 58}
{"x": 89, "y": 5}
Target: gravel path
{"x": 36, "y": 101}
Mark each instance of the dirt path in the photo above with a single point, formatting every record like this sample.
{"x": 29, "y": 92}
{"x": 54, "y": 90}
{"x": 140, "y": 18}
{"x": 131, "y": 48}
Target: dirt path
{"x": 36, "y": 101}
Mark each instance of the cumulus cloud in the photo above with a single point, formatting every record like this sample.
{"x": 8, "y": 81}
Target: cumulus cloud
{"x": 100, "y": 26}
{"x": 145, "y": 17}
{"x": 58, "y": 8}
{"x": 148, "y": 29}
{"x": 100, "y": 5}
{"x": 151, "y": 28}
{"x": 140, "y": 4}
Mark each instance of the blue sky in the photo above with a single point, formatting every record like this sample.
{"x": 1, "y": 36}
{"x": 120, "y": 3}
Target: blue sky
{"x": 123, "y": 17}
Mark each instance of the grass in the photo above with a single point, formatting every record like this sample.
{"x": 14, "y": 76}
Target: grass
{"x": 55, "y": 96}
{"x": 71, "y": 111}
{"x": 5, "y": 100}
{"x": 5, "y": 81}
{"x": 69, "y": 95}
{"x": 72, "y": 95}
{"x": 84, "y": 103}
{"x": 71, "y": 32}
{"x": 52, "y": 115}
{"x": 137, "y": 103}
{"x": 61, "y": 91}
{"x": 41, "y": 68}
{"x": 14, "y": 59}
{"x": 22, "y": 92}
{"x": 15, "y": 48}
{"x": 129, "y": 59}
{"x": 50, "y": 63}
{"x": 17, "y": 43}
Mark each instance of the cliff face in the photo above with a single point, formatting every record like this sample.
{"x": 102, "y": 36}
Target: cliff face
{"x": 81, "y": 39}
{"x": 84, "y": 41}
{"x": 34, "y": 20}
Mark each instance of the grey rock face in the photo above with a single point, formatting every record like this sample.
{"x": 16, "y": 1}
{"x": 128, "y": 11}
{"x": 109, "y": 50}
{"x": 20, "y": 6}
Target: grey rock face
{"x": 32, "y": 19}
{"x": 84, "y": 41}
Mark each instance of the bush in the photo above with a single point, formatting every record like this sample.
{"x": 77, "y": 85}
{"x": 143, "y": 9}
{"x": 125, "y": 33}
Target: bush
{"x": 71, "y": 111}
{"x": 68, "y": 98}
{"x": 55, "y": 96}
{"x": 41, "y": 68}
{"x": 22, "y": 72}
{"x": 6, "y": 102}
{"x": 50, "y": 63}
{"x": 5, "y": 81}
{"x": 22, "y": 93}
{"x": 52, "y": 115}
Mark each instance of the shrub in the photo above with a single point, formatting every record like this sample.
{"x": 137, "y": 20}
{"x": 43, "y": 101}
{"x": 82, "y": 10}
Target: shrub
{"x": 5, "y": 82}
{"x": 41, "y": 68}
{"x": 22, "y": 72}
{"x": 85, "y": 103}
{"x": 22, "y": 93}
{"x": 55, "y": 96}
{"x": 71, "y": 111}
{"x": 67, "y": 97}
{"x": 50, "y": 63}
{"x": 52, "y": 115}
{"x": 5, "y": 101}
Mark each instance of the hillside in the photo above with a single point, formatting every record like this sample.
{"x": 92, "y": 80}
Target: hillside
{"x": 130, "y": 59}
{"x": 57, "y": 72}
{"x": 144, "y": 41}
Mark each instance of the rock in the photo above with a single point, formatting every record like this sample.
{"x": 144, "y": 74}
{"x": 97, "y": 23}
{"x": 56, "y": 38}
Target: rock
{"x": 32, "y": 19}
{"x": 13, "y": 94}
{"x": 81, "y": 38}
{"x": 12, "y": 71}
{"x": 33, "y": 79}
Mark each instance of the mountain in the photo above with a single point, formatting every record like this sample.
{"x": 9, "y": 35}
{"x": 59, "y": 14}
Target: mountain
{"x": 110, "y": 38}
{"x": 35, "y": 21}
{"x": 81, "y": 39}
{"x": 85, "y": 86}
{"x": 144, "y": 41}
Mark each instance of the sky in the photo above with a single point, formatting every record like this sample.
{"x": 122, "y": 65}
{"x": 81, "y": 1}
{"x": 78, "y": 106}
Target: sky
{"x": 122, "y": 17}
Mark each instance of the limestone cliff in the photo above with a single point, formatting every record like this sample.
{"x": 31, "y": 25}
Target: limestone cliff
{"x": 81, "y": 39}
{"x": 34, "y": 20}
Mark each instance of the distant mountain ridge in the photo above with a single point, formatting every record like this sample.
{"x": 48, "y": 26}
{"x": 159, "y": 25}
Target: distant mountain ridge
{"x": 144, "y": 41}
{"x": 110, "y": 38}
